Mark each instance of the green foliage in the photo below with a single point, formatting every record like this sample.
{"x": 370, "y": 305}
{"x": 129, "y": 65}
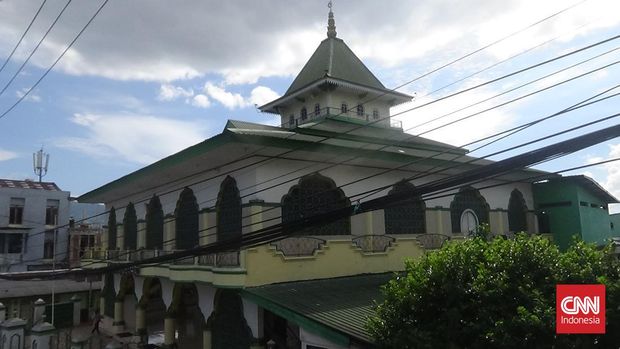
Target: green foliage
{"x": 496, "y": 293}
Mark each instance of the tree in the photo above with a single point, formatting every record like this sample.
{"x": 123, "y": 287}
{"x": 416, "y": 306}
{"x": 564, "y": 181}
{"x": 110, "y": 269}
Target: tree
{"x": 495, "y": 293}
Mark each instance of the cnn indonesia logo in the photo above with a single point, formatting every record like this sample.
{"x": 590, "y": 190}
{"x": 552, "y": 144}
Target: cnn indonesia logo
{"x": 580, "y": 309}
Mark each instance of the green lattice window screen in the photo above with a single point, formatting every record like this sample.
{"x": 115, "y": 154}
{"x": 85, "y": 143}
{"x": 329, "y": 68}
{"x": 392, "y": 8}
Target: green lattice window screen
{"x": 186, "y": 220}
{"x": 517, "y": 212}
{"x": 409, "y": 217}
{"x": 130, "y": 227}
{"x": 316, "y": 194}
{"x": 154, "y": 224}
{"x": 228, "y": 209}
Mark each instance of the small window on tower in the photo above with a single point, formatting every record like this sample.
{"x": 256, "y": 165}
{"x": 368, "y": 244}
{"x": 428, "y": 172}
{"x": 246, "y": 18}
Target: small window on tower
{"x": 304, "y": 113}
{"x": 375, "y": 114}
{"x": 317, "y": 109}
{"x": 360, "y": 110}
{"x": 344, "y": 108}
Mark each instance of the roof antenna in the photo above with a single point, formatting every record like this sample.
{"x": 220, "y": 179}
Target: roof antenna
{"x": 40, "y": 160}
{"x": 331, "y": 22}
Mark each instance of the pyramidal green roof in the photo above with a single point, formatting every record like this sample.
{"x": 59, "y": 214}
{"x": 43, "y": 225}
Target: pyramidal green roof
{"x": 333, "y": 58}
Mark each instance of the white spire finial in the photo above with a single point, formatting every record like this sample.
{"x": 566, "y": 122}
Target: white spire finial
{"x": 331, "y": 22}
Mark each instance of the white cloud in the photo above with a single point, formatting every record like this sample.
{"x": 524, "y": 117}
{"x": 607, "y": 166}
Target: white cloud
{"x": 610, "y": 178}
{"x": 134, "y": 138}
{"x": 201, "y": 101}
{"x": 244, "y": 41}
{"x": 261, "y": 95}
{"x": 459, "y": 133}
{"x": 228, "y": 99}
{"x": 32, "y": 96}
{"x": 168, "y": 92}
{"x": 7, "y": 155}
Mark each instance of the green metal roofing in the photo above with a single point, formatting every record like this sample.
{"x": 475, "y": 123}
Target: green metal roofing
{"x": 333, "y": 58}
{"x": 342, "y": 304}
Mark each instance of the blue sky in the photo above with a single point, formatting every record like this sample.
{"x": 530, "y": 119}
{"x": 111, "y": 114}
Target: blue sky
{"x": 148, "y": 78}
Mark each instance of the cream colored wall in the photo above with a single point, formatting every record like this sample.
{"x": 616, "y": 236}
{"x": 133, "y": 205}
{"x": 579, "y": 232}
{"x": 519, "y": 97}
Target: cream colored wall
{"x": 338, "y": 258}
{"x": 498, "y": 221}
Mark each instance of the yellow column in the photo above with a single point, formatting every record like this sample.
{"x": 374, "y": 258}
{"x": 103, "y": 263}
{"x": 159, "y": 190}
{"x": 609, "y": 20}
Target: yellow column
{"x": 206, "y": 339}
{"x": 119, "y": 322}
{"x": 169, "y": 330}
{"x": 141, "y": 323}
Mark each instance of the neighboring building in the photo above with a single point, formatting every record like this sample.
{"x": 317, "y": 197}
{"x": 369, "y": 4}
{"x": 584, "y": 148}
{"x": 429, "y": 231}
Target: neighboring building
{"x": 614, "y": 224}
{"x": 32, "y": 215}
{"x": 574, "y": 206}
{"x": 315, "y": 288}
{"x": 83, "y": 237}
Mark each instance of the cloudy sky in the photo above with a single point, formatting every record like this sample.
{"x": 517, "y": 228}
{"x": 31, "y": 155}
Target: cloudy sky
{"x": 151, "y": 77}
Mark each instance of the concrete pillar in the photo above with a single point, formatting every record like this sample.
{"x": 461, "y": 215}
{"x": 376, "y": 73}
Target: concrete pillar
{"x": 118, "y": 323}
{"x": 169, "y": 233}
{"x": 2, "y": 312}
{"x": 101, "y": 305}
{"x": 38, "y": 311}
{"x": 76, "y": 310}
{"x": 13, "y": 329}
{"x": 41, "y": 334}
{"x": 120, "y": 237}
{"x": 141, "y": 324}
{"x": 169, "y": 331}
{"x": 206, "y": 339}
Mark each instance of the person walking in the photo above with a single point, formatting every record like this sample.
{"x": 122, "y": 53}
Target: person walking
{"x": 96, "y": 321}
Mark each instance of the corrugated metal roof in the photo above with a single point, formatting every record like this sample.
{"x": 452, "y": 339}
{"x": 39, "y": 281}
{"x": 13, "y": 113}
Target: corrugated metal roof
{"x": 11, "y": 183}
{"x": 343, "y": 304}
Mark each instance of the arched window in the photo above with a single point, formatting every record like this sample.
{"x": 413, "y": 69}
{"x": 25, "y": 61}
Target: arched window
{"x": 344, "y": 108}
{"x": 409, "y": 217}
{"x": 109, "y": 295}
{"x": 375, "y": 114}
{"x": 186, "y": 221}
{"x": 228, "y": 208}
{"x": 517, "y": 212}
{"x": 316, "y": 194}
{"x": 469, "y": 221}
{"x": 112, "y": 229}
{"x": 304, "y": 113}
{"x": 360, "y": 110}
{"x": 317, "y": 109}
{"x": 154, "y": 224}
{"x": 130, "y": 228}
{"x": 468, "y": 198}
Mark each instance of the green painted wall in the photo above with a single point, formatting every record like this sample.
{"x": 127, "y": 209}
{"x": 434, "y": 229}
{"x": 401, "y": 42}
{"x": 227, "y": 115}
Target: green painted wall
{"x": 566, "y": 220}
{"x": 594, "y": 220}
{"x": 615, "y": 220}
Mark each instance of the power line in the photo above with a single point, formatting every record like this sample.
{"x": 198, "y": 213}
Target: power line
{"x": 278, "y": 231}
{"x": 8, "y": 58}
{"x": 27, "y": 92}
{"x": 21, "y": 67}
{"x": 268, "y": 159}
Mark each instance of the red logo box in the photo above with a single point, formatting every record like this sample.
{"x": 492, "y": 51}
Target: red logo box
{"x": 580, "y": 309}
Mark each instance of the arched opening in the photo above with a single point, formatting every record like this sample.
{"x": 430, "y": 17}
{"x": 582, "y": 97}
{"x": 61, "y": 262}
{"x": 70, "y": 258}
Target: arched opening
{"x": 112, "y": 229}
{"x": 109, "y": 295}
{"x": 228, "y": 210}
{"x": 408, "y": 217}
{"x": 154, "y": 309}
{"x": 517, "y": 212}
{"x": 186, "y": 222}
{"x": 469, "y": 221}
{"x": 154, "y": 224}
{"x": 228, "y": 325}
{"x": 316, "y": 194}
{"x": 190, "y": 321}
{"x": 130, "y": 228}
{"x": 468, "y": 198}
{"x": 127, "y": 295}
